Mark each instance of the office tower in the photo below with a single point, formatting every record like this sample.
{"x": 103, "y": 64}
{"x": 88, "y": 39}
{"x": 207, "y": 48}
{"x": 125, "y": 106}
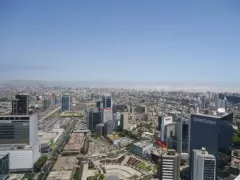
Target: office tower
{"x": 170, "y": 135}
{"x": 20, "y": 105}
{"x": 109, "y": 127}
{"x": 124, "y": 121}
{"x": 174, "y": 115}
{"x": 94, "y": 117}
{"x": 107, "y": 114}
{"x": 100, "y": 129}
{"x": 66, "y": 103}
{"x": 159, "y": 127}
{"x": 107, "y": 101}
{"x": 98, "y": 103}
{"x": 204, "y": 165}
{"x": 46, "y": 103}
{"x": 18, "y": 137}
{"x": 182, "y": 135}
{"x": 165, "y": 120}
{"x": 214, "y": 132}
{"x": 168, "y": 166}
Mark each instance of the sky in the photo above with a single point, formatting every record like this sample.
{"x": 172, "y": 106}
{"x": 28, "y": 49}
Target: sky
{"x": 120, "y": 40}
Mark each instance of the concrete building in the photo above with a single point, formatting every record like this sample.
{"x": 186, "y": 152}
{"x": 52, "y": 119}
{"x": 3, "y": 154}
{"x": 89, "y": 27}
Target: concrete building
{"x": 109, "y": 127}
{"x": 18, "y": 129}
{"x": 20, "y": 105}
{"x": 21, "y": 157}
{"x": 18, "y": 138}
{"x": 107, "y": 114}
{"x": 100, "y": 129}
{"x": 214, "y": 132}
{"x": 66, "y": 102}
{"x": 141, "y": 148}
{"x": 168, "y": 167}
{"x": 124, "y": 121}
{"x": 204, "y": 165}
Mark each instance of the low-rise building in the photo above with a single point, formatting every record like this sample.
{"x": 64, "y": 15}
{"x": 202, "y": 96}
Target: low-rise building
{"x": 141, "y": 148}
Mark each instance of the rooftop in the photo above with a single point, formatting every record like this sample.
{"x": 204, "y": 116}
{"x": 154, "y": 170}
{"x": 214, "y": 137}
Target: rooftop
{"x": 60, "y": 175}
{"x": 65, "y": 163}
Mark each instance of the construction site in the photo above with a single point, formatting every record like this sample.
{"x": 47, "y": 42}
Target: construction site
{"x": 75, "y": 143}
{"x": 63, "y": 169}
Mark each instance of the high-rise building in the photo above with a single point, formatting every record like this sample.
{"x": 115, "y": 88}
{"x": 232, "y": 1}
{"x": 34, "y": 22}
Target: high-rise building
{"x": 20, "y": 105}
{"x": 94, "y": 117}
{"x": 214, "y": 132}
{"x": 107, "y": 114}
{"x": 100, "y": 129}
{"x": 107, "y": 101}
{"x": 18, "y": 138}
{"x": 165, "y": 120}
{"x": 109, "y": 127}
{"x": 182, "y": 135}
{"x": 17, "y": 129}
{"x": 204, "y": 165}
{"x": 66, "y": 103}
{"x": 168, "y": 166}
{"x": 124, "y": 121}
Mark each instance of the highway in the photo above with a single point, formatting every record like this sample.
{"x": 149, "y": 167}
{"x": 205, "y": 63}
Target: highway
{"x": 50, "y": 113}
{"x": 55, "y": 153}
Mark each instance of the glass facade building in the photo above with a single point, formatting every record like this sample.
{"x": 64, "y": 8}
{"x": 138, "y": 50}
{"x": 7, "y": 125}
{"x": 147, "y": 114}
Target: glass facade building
{"x": 18, "y": 129}
{"x": 65, "y": 103}
{"x": 4, "y": 166}
{"x": 214, "y": 133}
{"x": 94, "y": 118}
{"x": 14, "y": 131}
{"x": 20, "y": 105}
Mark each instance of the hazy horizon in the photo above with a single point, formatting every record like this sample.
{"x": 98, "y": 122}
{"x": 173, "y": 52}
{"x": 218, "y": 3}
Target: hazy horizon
{"x": 184, "y": 86}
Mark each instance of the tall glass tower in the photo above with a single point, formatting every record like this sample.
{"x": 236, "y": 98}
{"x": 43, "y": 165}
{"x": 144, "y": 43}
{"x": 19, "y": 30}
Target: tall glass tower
{"x": 66, "y": 103}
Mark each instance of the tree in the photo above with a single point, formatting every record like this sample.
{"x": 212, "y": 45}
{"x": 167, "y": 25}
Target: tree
{"x": 236, "y": 140}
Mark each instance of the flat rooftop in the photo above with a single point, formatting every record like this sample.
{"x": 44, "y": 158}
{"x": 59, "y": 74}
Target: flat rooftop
{"x": 60, "y": 175}
{"x": 65, "y": 163}
{"x": 212, "y": 115}
{"x": 75, "y": 142}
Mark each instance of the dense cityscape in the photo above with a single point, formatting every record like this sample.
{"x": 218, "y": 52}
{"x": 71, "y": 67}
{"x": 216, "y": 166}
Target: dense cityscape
{"x": 49, "y": 133}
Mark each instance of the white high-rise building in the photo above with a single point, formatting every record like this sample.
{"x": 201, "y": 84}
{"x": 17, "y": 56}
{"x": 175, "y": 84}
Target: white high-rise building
{"x": 204, "y": 165}
{"x": 18, "y": 138}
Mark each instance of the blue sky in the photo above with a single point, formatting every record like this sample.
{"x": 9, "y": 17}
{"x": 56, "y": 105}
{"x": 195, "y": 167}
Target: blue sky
{"x": 120, "y": 40}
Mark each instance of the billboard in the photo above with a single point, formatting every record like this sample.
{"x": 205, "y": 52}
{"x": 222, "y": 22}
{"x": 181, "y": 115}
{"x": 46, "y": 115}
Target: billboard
{"x": 161, "y": 144}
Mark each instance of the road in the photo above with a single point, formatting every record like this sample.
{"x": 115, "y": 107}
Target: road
{"x": 50, "y": 113}
{"x": 52, "y": 157}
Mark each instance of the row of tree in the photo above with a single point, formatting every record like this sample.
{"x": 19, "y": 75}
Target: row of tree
{"x": 39, "y": 164}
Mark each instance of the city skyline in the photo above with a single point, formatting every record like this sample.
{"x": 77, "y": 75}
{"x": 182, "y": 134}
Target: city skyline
{"x": 124, "y": 41}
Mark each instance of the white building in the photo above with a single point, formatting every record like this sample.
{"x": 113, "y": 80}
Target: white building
{"x": 204, "y": 165}
{"x": 18, "y": 137}
{"x": 107, "y": 115}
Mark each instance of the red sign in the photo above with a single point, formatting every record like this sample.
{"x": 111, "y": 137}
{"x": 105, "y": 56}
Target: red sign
{"x": 108, "y": 109}
{"x": 160, "y": 143}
